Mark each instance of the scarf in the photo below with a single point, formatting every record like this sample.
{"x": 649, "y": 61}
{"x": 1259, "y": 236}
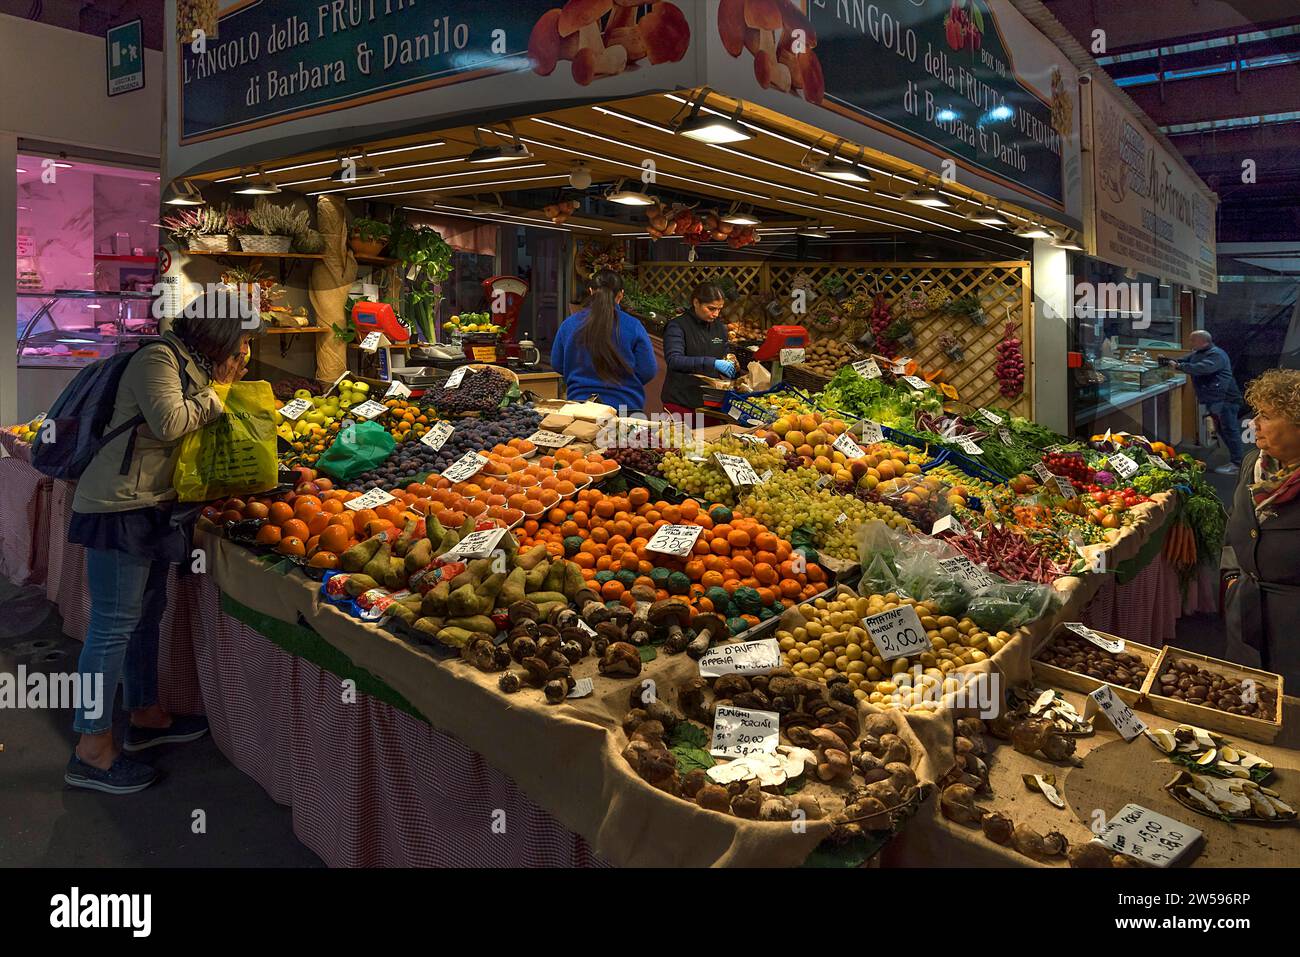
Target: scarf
{"x": 200, "y": 360}
{"x": 1274, "y": 485}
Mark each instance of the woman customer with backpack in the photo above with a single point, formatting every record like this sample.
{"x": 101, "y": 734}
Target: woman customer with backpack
{"x": 123, "y": 516}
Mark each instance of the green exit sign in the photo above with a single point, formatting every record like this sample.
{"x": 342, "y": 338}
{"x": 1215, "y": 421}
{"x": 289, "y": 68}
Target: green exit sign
{"x": 124, "y": 53}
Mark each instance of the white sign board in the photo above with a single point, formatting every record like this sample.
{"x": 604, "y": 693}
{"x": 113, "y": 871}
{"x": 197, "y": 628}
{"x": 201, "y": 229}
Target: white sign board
{"x": 372, "y": 499}
{"x": 397, "y": 389}
{"x": 897, "y": 633}
{"x": 738, "y": 732}
{"x": 370, "y": 409}
{"x": 738, "y": 469}
{"x": 867, "y": 368}
{"x": 678, "y": 540}
{"x": 294, "y": 410}
{"x": 468, "y": 465}
{"x": 550, "y": 440}
{"x": 437, "y": 435}
{"x": 1083, "y": 631}
{"x": 1147, "y": 836}
{"x": 968, "y": 572}
{"x": 742, "y": 658}
{"x": 479, "y": 544}
{"x": 844, "y": 443}
{"x": 1120, "y": 715}
{"x": 454, "y": 380}
{"x": 791, "y": 357}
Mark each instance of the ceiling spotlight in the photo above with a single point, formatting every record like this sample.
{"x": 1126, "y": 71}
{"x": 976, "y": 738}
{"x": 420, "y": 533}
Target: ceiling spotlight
{"x": 848, "y": 172}
{"x": 1033, "y": 231}
{"x": 183, "y": 193}
{"x": 628, "y": 197}
{"x": 1067, "y": 242}
{"x": 923, "y": 196}
{"x": 738, "y": 217}
{"x": 989, "y": 217}
{"x": 712, "y": 128}
{"x": 351, "y": 171}
{"x": 580, "y": 177}
{"x": 251, "y": 187}
{"x": 813, "y": 231}
{"x": 498, "y": 152}
{"x": 482, "y": 207}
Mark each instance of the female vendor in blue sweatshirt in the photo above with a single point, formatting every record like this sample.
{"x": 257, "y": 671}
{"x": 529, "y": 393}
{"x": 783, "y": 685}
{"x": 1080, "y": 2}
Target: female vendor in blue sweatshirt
{"x": 603, "y": 352}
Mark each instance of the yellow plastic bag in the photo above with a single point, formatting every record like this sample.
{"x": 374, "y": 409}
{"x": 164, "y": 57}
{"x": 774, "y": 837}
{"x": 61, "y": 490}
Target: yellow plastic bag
{"x": 236, "y": 454}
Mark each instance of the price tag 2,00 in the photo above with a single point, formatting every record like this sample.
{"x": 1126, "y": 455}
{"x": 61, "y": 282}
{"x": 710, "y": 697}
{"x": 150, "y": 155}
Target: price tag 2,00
{"x": 738, "y": 732}
{"x": 437, "y": 435}
{"x": 1120, "y": 715}
{"x": 676, "y": 540}
{"x": 1083, "y": 631}
{"x": 738, "y": 469}
{"x": 897, "y": 633}
{"x": 294, "y": 410}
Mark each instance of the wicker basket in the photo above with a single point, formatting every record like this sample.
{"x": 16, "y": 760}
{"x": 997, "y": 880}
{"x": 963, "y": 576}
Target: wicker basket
{"x": 265, "y": 244}
{"x": 211, "y": 244}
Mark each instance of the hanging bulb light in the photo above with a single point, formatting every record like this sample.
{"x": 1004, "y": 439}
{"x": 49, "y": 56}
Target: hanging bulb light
{"x": 183, "y": 193}
{"x": 628, "y": 197}
{"x": 711, "y": 128}
{"x": 251, "y": 187}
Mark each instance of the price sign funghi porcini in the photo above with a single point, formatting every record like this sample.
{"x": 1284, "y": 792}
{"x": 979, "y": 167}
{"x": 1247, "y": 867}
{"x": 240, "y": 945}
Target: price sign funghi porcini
{"x": 738, "y": 732}
{"x": 676, "y": 540}
{"x": 897, "y": 633}
{"x": 1147, "y": 836}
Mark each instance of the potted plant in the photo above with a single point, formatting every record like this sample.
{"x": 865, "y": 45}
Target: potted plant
{"x": 272, "y": 228}
{"x": 900, "y": 332}
{"x": 969, "y": 307}
{"x": 833, "y": 285}
{"x": 427, "y": 258}
{"x": 206, "y": 228}
{"x": 368, "y": 237}
{"x": 952, "y": 348}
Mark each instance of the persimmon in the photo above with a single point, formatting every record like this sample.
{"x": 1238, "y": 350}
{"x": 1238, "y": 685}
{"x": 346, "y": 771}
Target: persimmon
{"x": 292, "y": 545}
{"x": 295, "y": 528}
{"x": 279, "y": 513}
{"x": 268, "y": 534}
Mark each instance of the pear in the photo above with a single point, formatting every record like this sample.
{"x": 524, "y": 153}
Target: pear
{"x": 419, "y": 555}
{"x": 409, "y": 534}
{"x": 395, "y": 577}
{"x": 377, "y": 567}
{"x": 356, "y": 557}
{"x": 433, "y": 529}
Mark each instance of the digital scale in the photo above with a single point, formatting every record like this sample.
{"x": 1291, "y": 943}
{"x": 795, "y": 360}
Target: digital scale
{"x": 774, "y": 348}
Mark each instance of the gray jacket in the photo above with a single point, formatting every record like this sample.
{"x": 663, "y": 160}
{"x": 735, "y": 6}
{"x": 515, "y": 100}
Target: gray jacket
{"x": 1212, "y": 377}
{"x": 1264, "y": 604}
{"x": 151, "y": 384}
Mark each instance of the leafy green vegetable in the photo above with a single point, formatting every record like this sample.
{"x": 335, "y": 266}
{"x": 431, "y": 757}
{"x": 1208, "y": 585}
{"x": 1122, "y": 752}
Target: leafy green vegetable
{"x": 689, "y": 744}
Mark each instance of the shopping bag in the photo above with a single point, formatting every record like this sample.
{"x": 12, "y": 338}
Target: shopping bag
{"x": 235, "y": 455}
{"x": 356, "y": 449}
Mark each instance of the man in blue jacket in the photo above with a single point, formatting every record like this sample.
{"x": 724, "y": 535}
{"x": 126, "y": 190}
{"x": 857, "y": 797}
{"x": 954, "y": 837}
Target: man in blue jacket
{"x": 1216, "y": 389}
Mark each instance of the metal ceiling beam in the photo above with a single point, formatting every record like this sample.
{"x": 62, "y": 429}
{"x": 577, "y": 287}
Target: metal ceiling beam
{"x": 1212, "y": 56}
{"x": 1270, "y": 90}
{"x": 1137, "y": 26}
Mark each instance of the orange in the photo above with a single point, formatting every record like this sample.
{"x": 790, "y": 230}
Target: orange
{"x": 306, "y": 500}
{"x": 332, "y": 506}
{"x": 324, "y": 559}
{"x": 334, "y": 538}
{"x": 295, "y": 528}
{"x": 765, "y": 574}
{"x": 711, "y": 579}
{"x": 790, "y": 588}
{"x": 268, "y": 535}
{"x": 279, "y": 513}
{"x": 695, "y": 570}
{"x": 738, "y": 539}
{"x": 766, "y": 541}
{"x": 719, "y": 546}
{"x": 343, "y": 521}
{"x": 612, "y": 590}
{"x": 361, "y": 517}
{"x": 377, "y": 525}
{"x": 742, "y": 566}
{"x": 291, "y": 545}
{"x": 638, "y": 496}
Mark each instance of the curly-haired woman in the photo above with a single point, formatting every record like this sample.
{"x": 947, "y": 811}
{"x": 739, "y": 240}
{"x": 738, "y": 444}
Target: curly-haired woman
{"x": 1264, "y": 530}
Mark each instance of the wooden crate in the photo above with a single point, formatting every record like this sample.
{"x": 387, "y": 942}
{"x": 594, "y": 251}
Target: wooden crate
{"x": 1077, "y": 681}
{"x": 1003, "y": 288}
{"x": 1255, "y": 729}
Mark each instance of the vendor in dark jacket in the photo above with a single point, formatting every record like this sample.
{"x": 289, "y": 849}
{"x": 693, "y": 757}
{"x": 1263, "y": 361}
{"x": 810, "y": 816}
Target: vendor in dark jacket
{"x": 695, "y": 343}
{"x": 1263, "y": 604}
{"x": 1216, "y": 389}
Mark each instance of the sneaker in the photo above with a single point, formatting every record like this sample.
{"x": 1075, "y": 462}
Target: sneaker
{"x": 1228, "y": 469}
{"x": 183, "y": 728}
{"x": 124, "y": 777}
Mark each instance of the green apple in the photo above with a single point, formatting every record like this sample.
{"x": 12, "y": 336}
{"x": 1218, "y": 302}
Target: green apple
{"x": 302, "y": 394}
{"x": 362, "y": 387}
{"x": 345, "y": 385}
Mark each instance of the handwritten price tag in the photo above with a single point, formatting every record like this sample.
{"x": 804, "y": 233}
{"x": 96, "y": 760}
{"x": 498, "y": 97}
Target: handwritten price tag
{"x": 743, "y": 658}
{"x": 371, "y": 342}
{"x": 751, "y": 438}
{"x": 582, "y": 688}
{"x": 947, "y": 524}
{"x": 676, "y": 540}
{"x": 845, "y": 444}
{"x": 791, "y": 357}
{"x": 437, "y": 435}
{"x": 1124, "y": 466}
{"x": 454, "y": 380}
{"x": 738, "y": 469}
{"x": 900, "y": 365}
{"x": 1120, "y": 715}
{"x": 867, "y": 368}
{"x": 1147, "y": 836}
{"x": 738, "y": 732}
{"x": 1066, "y": 487}
{"x": 992, "y": 417}
{"x": 370, "y": 409}
{"x": 897, "y": 633}
{"x": 294, "y": 410}
{"x": 550, "y": 440}
{"x": 397, "y": 389}
{"x": 1083, "y": 631}
{"x": 477, "y": 544}
{"x": 967, "y": 571}
{"x": 1159, "y": 462}
{"x": 916, "y": 383}
{"x": 468, "y": 465}
{"x": 372, "y": 499}
{"x": 872, "y": 432}
{"x": 1043, "y": 472}
{"x": 968, "y": 445}
{"x": 1005, "y": 436}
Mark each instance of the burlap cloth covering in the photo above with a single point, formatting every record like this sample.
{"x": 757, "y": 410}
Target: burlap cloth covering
{"x": 328, "y": 290}
{"x": 567, "y": 757}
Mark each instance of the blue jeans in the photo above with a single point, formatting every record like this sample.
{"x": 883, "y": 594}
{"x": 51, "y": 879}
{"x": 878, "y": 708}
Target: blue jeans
{"x": 1228, "y": 422}
{"x": 127, "y": 598}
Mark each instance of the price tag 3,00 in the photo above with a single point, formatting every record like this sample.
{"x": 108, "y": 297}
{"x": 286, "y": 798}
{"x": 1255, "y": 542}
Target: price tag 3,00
{"x": 897, "y": 633}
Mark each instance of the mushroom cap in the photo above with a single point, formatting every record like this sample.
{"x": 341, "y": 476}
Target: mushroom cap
{"x": 621, "y": 660}
{"x": 523, "y": 610}
{"x": 792, "y": 18}
{"x": 577, "y": 14}
{"x": 763, "y": 14}
{"x": 708, "y": 621}
{"x": 669, "y": 612}
{"x": 825, "y": 738}
{"x": 667, "y": 33}
{"x": 544, "y": 42}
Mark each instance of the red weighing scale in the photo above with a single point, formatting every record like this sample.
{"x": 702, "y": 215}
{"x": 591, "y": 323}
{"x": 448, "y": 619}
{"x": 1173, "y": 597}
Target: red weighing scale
{"x": 505, "y": 297}
{"x": 371, "y": 317}
{"x": 780, "y": 338}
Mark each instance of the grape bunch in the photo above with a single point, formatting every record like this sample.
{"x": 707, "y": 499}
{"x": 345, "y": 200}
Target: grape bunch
{"x": 792, "y": 499}
{"x": 472, "y": 435}
{"x": 645, "y": 461}
{"x": 481, "y": 390}
{"x": 705, "y": 479}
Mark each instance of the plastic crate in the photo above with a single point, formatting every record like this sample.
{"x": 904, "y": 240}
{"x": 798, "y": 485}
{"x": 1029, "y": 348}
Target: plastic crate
{"x": 744, "y": 406}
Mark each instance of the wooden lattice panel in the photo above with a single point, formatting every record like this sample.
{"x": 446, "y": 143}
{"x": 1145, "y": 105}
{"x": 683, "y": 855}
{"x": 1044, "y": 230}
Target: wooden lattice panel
{"x": 1003, "y": 290}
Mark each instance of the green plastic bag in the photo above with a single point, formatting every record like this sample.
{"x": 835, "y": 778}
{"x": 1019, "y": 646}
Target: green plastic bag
{"x": 355, "y": 450}
{"x": 235, "y": 454}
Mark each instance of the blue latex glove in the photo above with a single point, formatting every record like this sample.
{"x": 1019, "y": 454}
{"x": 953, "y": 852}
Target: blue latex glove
{"x": 725, "y": 369}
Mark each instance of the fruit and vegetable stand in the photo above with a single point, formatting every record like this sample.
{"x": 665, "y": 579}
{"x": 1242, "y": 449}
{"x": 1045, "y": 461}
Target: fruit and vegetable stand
{"x": 496, "y": 622}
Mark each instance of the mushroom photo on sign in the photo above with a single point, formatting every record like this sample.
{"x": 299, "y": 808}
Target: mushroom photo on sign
{"x": 607, "y": 37}
{"x": 782, "y": 41}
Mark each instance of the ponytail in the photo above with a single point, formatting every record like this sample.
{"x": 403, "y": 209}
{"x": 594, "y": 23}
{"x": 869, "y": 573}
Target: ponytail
{"x": 599, "y": 332}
